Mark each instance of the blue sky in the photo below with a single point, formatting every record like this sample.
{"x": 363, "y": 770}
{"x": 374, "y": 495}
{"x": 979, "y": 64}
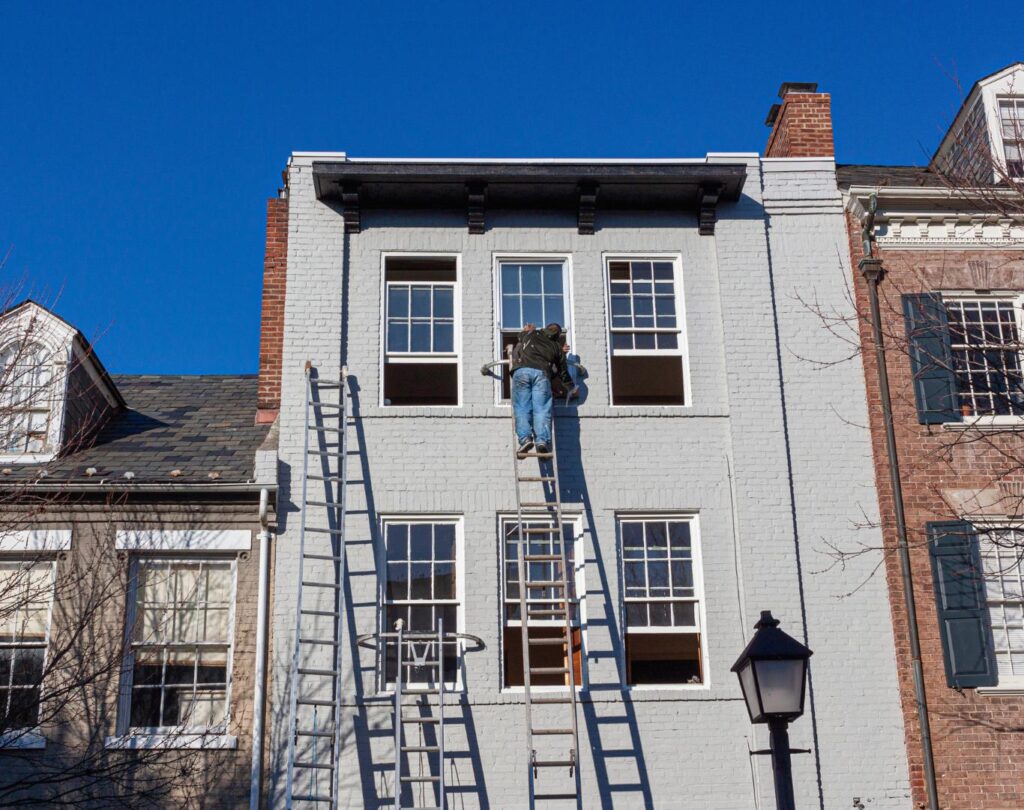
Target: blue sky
{"x": 139, "y": 141}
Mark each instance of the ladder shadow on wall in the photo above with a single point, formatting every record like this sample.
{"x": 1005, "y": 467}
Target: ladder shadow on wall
{"x": 620, "y": 772}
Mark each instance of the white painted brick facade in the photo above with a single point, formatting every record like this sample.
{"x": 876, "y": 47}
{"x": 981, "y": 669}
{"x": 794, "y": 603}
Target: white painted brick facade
{"x": 726, "y": 457}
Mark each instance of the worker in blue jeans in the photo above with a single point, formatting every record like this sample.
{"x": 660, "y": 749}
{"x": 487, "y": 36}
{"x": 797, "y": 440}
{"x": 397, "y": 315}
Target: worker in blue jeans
{"x": 535, "y": 359}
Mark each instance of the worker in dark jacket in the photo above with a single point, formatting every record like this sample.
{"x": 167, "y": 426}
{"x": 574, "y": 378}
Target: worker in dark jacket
{"x": 536, "y": 358}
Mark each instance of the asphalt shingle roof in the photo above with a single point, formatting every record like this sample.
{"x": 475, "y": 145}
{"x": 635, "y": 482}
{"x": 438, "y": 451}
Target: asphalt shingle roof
{"x": 899, "y": 176}
{"x": 197, "y": 424}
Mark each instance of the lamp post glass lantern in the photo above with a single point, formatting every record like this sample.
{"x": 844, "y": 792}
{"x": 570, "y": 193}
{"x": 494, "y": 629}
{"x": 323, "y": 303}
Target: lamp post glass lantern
{"x": 772, "y": 671}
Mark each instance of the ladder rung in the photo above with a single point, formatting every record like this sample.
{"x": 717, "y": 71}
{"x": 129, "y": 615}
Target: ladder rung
{"x": 548, "y": 583}
{"x": 312, "y": 733}
{"x": 317, "y": 765}
{"x": 421, "y": 720}
{"x": 562, "y": 731}
{"x": 420, "y": 749}
{"x": 555, "y": 796}
{"x": 314, "y": 702}
{"x": 311, "y": 584}
{"x": 331, "y": 454}
{"x": 545, "y": 530}
{"x": 335, "y": 405}
{"x": 420, "y": 778}
{"x": 323, "y": 531}
{"x": 331, "y": 557}
{"x": 549, "y": 670}
{"x": 318, "y": 672}
{"x": 320, "y": 613}
{"x": 535, "y": 478}
{"x": 555, "y": 763}
{"x": 534, "y": 455}
{"x": 325, "y": 429}
{"x": 414, "y": 691}
{"x": 543, "y": 557}
{"x": 336, "y": 478}
{"x": 327, "y": 504}
{"x": 550, "y": 700}
{"x": 537, "y": 613}
{"x": 537, "y": 504}
{"x": 323, "y": 382}
{"x": 548, "y": 641}
{"x": 311, "y": 798}
{"x": 329, "y": 641}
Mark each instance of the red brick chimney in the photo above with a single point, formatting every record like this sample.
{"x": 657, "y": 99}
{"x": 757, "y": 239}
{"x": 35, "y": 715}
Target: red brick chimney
{"x": 802, "y": 123}
{"x": 275, "y": 272}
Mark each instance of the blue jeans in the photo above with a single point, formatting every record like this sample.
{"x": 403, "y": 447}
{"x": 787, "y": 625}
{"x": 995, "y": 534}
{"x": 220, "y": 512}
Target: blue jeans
{"x": 531, "y": 401}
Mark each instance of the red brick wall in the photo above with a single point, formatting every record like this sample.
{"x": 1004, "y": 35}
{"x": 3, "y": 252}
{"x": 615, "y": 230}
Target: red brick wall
{"x": 978, "y": 741}
{"x": 803, "y": 127}
{"x": 275, "y": 270}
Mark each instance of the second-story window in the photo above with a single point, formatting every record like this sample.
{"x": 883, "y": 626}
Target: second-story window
{"x": 1011, "y": 125}
{"x": 26, "y": 399}
{"x": 986, "y": 349}
{"x": 646, "y": 335}
{"x": 26, "y": 594}
{"x": 421, "y": 357}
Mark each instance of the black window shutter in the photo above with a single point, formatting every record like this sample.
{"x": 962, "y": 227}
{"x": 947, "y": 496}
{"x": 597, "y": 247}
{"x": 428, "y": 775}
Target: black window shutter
{"x": 931, "y": 359}
{"x": 964, "y": 627}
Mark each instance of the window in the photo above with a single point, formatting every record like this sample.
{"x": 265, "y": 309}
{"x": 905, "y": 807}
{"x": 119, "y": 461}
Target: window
{"x": 420, "y": 588}
{"x": 546, "y": 655}
{"x": 985, "y": 343}
{"x": 179, "y": 668}
{"x": 662, "y": 593}
{"x": 25, "y": 398}
{"x": 646, "y": 336}
{"x": 421, "y": 356}
{"x": 26, "y": 595}
{"x": 1004, "y": 593}
{"x": 530, "y": 292}
{"x": 1011, "y": 127}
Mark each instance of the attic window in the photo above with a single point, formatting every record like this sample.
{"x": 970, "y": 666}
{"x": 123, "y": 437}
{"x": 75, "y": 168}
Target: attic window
{"x": 421, "y": 342}
{"x": 1011, "y": 127}
{"x": 25, "y": 399}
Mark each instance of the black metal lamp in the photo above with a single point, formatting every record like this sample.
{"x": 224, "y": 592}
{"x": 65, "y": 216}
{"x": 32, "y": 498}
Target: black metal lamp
{"x": 773, "y": 677}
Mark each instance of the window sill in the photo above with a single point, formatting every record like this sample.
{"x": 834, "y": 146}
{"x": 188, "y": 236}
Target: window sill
{"x": 134, "y": 742}
{"x": 27, "y": 458}
{"x": 987, "y": 423}
{"x": 22, "y": 740}
{"x": 1016, "y": 690}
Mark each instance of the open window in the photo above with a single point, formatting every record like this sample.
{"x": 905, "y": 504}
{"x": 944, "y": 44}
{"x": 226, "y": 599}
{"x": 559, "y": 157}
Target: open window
{"x": 421, "y": 353}
{"x": 646, "y": 335}
{"x": 541, "y": 655}
{"x": 661, "y": 578}
{"x": 529, "y": 292}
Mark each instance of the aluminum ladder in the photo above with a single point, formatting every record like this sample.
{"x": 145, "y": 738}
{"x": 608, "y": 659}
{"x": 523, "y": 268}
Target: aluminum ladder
{"x": 546, "y": 570}
{"x": 314, "y": 722}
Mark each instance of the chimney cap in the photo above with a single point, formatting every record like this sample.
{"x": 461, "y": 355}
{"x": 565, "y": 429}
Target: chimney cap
{"x": 797, "y": 87}
{"x": 773, "y": 113}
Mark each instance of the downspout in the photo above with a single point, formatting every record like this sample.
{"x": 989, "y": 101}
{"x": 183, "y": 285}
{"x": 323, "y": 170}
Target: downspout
{"x": 260, "y": 689}
{"x": 871, "y": 268}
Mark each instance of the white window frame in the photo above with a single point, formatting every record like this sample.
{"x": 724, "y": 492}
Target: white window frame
{"x": 682, "y": 351}
{"x": 455, "y": 357}
{"x": 699, "y": 597}
{"x": 30, "y": 737}
{"x": 1018, "y": 101}
{"x": 575, "y": 521}
{"x": 1010, "y": 685}
{"x": 993, "y": 420}
{"x": 381, "y": 686}
{"x": 135, "y": 737}
{"x": 498, "y": 259}
{"x": 57, "y": 384}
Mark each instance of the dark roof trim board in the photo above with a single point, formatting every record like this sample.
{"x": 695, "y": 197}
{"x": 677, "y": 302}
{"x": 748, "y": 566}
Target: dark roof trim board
{"x": 477, "y": 186}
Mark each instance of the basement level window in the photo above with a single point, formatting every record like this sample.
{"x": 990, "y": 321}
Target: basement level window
{"x": 660, "y": 572}
{"x": 645, "y": 332}
{"x": 421, "y": 354}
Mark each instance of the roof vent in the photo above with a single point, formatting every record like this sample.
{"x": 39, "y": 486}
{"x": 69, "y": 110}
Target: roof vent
{"x": 129, "y": 476}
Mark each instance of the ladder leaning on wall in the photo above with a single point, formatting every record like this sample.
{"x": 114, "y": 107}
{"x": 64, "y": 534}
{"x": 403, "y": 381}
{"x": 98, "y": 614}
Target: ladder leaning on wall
{"x": 314, "y": 722}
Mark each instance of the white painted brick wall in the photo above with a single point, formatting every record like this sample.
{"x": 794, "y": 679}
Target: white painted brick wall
{"x": 456, "y": 461}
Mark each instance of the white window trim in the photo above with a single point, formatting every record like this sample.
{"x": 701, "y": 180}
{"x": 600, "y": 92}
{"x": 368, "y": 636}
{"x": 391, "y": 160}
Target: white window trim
{"x": 579, "y": 562}
{"x": 699, "y": 596}
{"x": 193, "y": 740}
{"x": 1014, "y": 685}
{"x": 455, "y": 358}
{"x": 431, "y": 356}
{"x": 191, "y": 540}
{"x": 992, "y": 421}
{"x": 125, "y": 730}
{"x": 28, "y": 739}
{"x": 59, "y": 381}
{"x": 682, "y": 352}
{"x": 497, "y": 259}
{"x": 35, "y": 540}
{"x": 460, "y": 590}
{"x": 1000, "y": 155}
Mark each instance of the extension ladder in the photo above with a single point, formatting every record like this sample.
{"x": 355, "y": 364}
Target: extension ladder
{"x": 314, "y": 722}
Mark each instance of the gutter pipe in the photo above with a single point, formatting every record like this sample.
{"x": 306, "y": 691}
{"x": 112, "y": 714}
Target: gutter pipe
{"x": 871, "y": 268}
{"x": 260, "y": 689}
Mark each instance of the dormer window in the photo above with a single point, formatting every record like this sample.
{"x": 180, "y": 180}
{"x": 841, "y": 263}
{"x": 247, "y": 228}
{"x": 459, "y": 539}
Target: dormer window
{"x": 26, "y": 399}
{"x": 1011, "y": 125}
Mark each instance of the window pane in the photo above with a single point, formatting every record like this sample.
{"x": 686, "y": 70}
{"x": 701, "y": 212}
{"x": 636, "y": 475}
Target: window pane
{"x": 420, "y": 581}
{"x": 531, "y": 279}
{"x": 509, "y": 279}
{"x": 420, "y": 302}
{"x": 444, "y": 306}
{"x": 397, "y": 541}
{"x": 632, "y": 540}
{"x": 679, "y": 535}
{"x": 444, "y": 541}
{"x": 661, "y": 614}
{"x": 641, "y": 271}
{"x": 552, "y": 278}
{"x": 682, "y": 578}
{"x": 28, "y": 666}
{"x": 420, "y": 340}
{"x": 663, "y": 271}
{"x": 444, "y": 580}
{"x": 636, "y": 614}
{"x": 511, "y": 318}
{"x": 444, "y": 337}
{"x": 685, "y": 614}
{"x": 420, "y": 545}
{"x": 657, "y": 578}
{"x": 622, "y": 340}
{"x": 618, "y": 271}
{"x": 533, "y": 311}
{"x": 553, "y": 311}
{"x": 397, "y": 584}
{"x": 398, "y": 337}
{"x": 145, "y": 711}
{"x": 636, "y": 581}
{"x": 645, "y": 340}
{"x": 668, "y": 341}
{"x": 398, "y": 302}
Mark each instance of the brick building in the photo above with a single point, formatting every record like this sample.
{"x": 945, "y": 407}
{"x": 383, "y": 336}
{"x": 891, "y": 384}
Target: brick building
{"x": 947, "y": 248}
{"x": 702, "y": 475}
{"x": 129, "y": 575}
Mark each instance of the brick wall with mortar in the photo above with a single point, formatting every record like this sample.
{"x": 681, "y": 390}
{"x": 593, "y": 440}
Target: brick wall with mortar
{"x": 803, "y": 127}
{"x": 977, "y": 741}
{"x": 726, "y": 457}
{"x": 275, "y": 274}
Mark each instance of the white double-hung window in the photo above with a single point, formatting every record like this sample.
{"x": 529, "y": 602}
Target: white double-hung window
{"x": 662, "y": 599}
{"x": 27, "y": 399}
{"x": 421, "y": 337}
{"x": 1011, "y": 127}
{"x": 26, "y": 600}
{"x": 1004, "y": 594}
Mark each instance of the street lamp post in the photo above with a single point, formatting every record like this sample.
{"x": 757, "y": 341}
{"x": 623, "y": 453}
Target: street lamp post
{"x": 773, "y": 675}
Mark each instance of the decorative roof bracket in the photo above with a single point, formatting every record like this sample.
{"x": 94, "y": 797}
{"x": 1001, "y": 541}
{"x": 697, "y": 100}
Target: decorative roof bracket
{"x": 587, "y": 207}
{"x": 476, "y": 206}
{"x": 707, "y": 203}
{"x": 350, "y": 206}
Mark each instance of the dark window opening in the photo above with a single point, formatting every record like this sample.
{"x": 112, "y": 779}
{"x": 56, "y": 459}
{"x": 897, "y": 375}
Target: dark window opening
{"x": 542, "y": 656}
{"x": 421, "y": 384}
{"x": 647, "y": 380}
{"x": 663, "y": 658}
